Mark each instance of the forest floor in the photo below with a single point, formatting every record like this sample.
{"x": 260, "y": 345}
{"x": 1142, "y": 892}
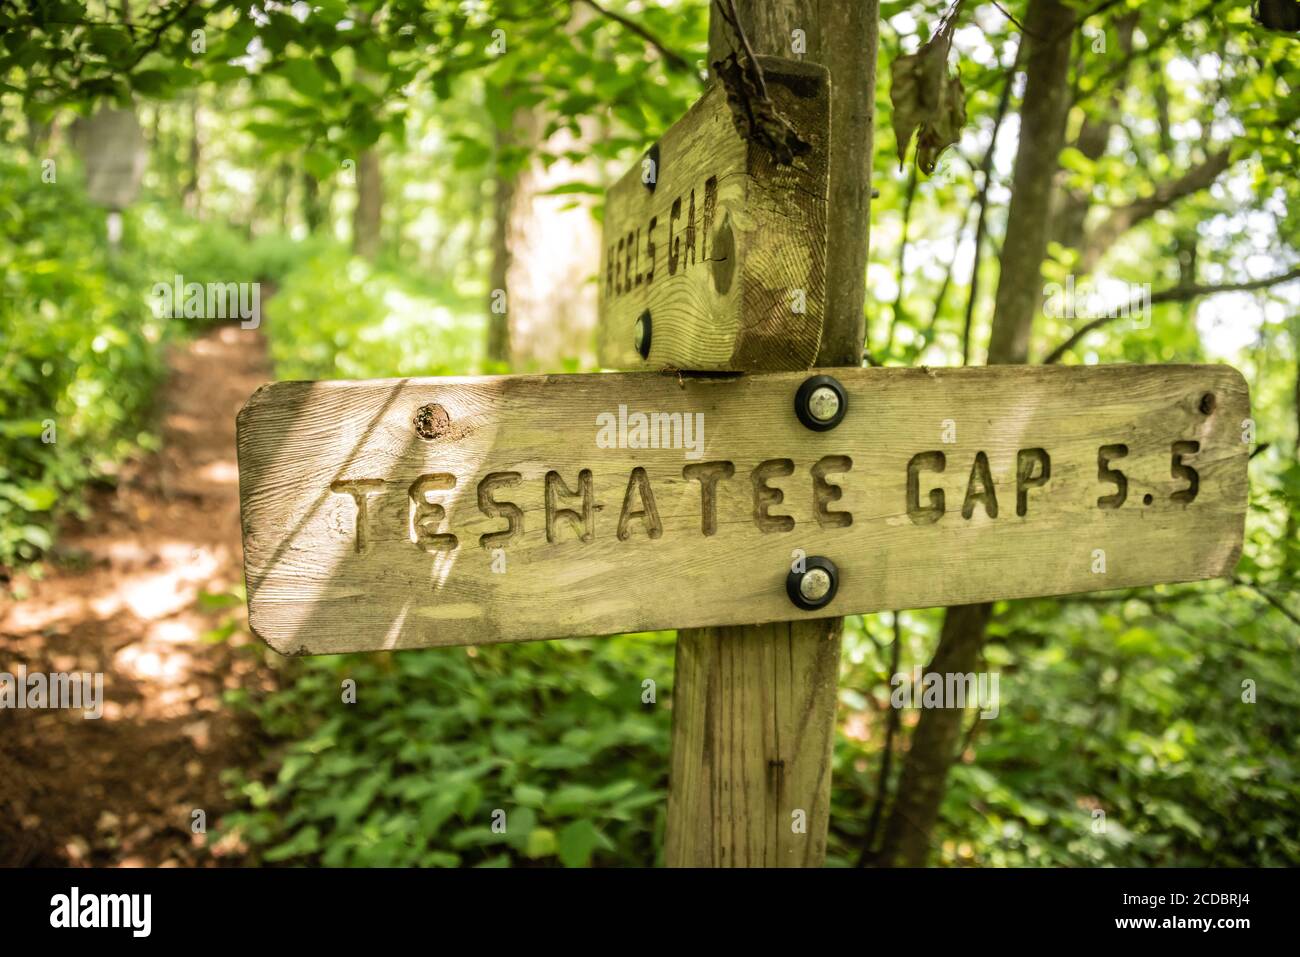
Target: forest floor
{"x": 122, "y": 596}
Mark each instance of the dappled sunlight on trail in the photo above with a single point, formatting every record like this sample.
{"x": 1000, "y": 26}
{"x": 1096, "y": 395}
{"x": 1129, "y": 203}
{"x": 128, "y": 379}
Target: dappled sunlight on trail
{"x": 142, "y": 590}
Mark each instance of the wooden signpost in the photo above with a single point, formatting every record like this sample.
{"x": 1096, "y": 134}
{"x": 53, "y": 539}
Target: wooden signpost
{"x": 411, "y": 513}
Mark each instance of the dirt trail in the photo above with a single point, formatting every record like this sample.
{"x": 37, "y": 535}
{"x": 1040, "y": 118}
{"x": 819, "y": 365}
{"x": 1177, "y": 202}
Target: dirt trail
{"x": 122, "y": 598}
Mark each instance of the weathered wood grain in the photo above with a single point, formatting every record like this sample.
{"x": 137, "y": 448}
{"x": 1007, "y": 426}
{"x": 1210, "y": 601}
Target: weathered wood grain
{"x": 727, "y": 251}
{"x": 637, "y": 552}
{"x": 753, "y": 715}
{"x": 735, "y": 806}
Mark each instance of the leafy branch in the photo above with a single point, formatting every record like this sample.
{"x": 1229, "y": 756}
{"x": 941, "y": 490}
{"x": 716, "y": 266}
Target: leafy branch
{"x": 1176, "y": 294}
{"x": 671, "y": 57}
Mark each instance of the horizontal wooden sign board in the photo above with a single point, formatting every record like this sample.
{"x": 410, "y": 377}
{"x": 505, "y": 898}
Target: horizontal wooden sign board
{"x": 406, "y": 513}
{"x": 718, "y": 249}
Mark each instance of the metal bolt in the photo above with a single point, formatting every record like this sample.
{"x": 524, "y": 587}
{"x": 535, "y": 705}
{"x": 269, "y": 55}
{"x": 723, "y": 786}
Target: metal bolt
{"x": 651, "y": 157}
{"x": 821, "y": 403}
{"x": 815, "y": 585}
{"x": 641, "y": 335}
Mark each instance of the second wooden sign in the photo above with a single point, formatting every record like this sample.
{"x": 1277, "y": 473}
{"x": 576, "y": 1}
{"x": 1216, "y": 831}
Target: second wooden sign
{"x": 714, "y": 253}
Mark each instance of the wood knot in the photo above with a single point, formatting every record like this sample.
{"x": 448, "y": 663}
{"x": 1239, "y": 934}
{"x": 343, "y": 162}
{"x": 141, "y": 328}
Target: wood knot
{"x": 432, "y": 421}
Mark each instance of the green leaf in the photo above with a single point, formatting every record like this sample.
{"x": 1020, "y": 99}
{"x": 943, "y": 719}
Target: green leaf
{"x": 37, "y": 536}
{"x": 529, "y": 796}
{"x": 541, "y": 843}
{"x": 578, "y": 841}
{"x": 109, "y": 41}
{"x": 565, "y": 189}
{"x": 319, "y": 164}
{"x": 304, "y": 842}
{"x": 150, "y": 82}
{"x": 32, "y": 498}
{"x": 304, "y": 77}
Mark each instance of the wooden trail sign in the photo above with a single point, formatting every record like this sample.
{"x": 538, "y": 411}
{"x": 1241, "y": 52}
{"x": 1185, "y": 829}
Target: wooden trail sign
{"x": 714, "y": 254}
{"x": 407, "y": 513}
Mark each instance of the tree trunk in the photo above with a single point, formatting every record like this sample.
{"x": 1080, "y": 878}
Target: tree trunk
{"x": 1049, "y": 25}
{"x": 1292, "y": 534}
{"x": 312, "y": 213}
{"x": 38, "y": 135}
{"x": 367, "y": 217}
{"x": 503, "y": 201}
{"x": 1048, "y": 31}
{"x": 1072, "y": 205}
{"x": 284, "y": 177}
{"x": 191, "y": 197}
{"x": 754, "y": 706}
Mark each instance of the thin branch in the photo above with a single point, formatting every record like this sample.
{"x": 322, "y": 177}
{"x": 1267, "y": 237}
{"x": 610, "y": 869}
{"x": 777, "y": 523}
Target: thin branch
{"x": 892, "y": 722}
{"x": 1143, "y": 595}
{"x": 1217, "y": 641}
{"x": 1276, "y": 603}
{"x": 1165, "y": 194}
{"x": 671, "y": 57}
{"x": 753, "y": 113}
{"x": 902, "y": 256}
{"x": 732, "y": 19}
{"x": 927, "y": 336}
{"x": 871, "y": 635}
{"x": 986, "y": 167}
{"x": 1019, "y": 26}
{"x": 1154, "y": 46}
{"x": 970, "y": 735}
{"x": 1101, "y": 7}
{"x": 1175, "y": 294}
{"x": 92, "y": 23}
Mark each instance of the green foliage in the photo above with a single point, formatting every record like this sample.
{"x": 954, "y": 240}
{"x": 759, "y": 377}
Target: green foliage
{"x": 554, "y": 733}
{"x": 83, "y": 345}
{"x": 81, "y": 356}
{"x": 1128, "y": 705}
{"x": 438, "y": 743}
{"x": 335, "y": 78}
{"x": 338, "y": 317}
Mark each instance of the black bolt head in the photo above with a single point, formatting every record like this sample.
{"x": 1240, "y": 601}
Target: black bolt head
{"x": 641, "y": 334}
{"x": 815, "y": 586}
{"x": 821, "y": 403}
